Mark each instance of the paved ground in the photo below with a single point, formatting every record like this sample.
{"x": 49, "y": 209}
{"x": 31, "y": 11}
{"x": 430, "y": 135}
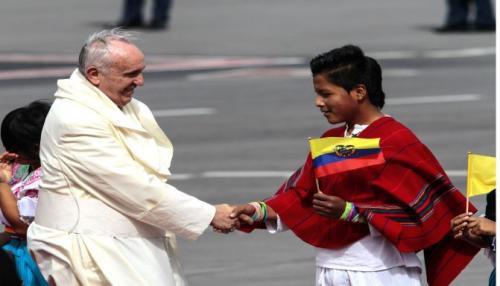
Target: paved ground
{"x": 229, "y": 83}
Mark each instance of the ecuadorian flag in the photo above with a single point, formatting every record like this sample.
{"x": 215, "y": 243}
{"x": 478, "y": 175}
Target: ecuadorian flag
{"x": 333, "y": 155}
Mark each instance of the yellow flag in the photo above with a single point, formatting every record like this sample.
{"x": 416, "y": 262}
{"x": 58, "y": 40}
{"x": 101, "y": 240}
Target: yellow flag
{"x": 481, "y": 174}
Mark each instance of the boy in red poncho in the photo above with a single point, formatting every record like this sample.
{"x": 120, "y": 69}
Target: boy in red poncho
{"x": 368, "y": 222}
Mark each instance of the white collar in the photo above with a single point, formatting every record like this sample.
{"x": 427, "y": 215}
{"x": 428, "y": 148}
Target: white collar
{"x": 358, "y": 128}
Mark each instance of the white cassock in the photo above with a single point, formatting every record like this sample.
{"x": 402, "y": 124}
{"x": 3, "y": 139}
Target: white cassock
{"x": 106, "y": 215}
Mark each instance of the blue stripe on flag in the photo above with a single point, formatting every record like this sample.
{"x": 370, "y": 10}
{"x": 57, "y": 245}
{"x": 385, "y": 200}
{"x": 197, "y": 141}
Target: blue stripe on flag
{"x": 332, "y": 158}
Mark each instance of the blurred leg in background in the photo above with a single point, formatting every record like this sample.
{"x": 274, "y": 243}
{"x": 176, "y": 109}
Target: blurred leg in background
{"x": 160, "y": 14}
{"x": 456, "y": 19}
{"x": 484, "y": 16}
{"x": 458, "y": 14}
{"x": 132, "y": 14}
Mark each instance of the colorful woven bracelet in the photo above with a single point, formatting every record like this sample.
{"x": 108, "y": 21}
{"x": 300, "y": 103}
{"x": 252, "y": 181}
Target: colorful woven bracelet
{"x": 347, "y": 210}
{"x": 263, "y": 209}
{"x": 260, "y": 214}
{"x": 351, "y": 214}
{"x": 257, "y": 215}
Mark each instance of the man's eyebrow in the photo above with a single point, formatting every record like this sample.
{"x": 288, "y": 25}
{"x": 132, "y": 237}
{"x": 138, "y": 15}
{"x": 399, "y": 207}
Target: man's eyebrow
{"x": 135, "y": 71}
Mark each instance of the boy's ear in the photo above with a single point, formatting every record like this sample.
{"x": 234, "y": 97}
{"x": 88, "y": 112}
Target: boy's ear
{"x": 360, "y": 92}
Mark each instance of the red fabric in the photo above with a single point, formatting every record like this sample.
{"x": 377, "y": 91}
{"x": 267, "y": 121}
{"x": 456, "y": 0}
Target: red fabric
{"x": 408, "y": 198}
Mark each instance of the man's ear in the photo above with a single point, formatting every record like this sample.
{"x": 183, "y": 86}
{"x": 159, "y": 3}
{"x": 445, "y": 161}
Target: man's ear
{"x": 92, "y": 75}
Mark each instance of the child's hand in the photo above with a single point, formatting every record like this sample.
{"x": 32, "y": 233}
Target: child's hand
{"x": 481, "y": 226}
{"x": 6, "y": 161}
{"x": 466, "y": 227}
{"x": 458, "y": 225}
{"x": 244, "y": 214}
{"x": 329, "y": 206}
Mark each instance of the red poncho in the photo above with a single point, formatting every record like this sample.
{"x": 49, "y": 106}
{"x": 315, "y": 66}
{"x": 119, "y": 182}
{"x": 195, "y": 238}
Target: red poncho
{"x": 408, "y": 198}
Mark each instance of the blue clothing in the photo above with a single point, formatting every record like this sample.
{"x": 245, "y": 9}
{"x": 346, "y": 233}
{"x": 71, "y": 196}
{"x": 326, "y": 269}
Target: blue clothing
{"x": 133, "y": 12}
{"x": 27, "y": 270}
{"x": 458, "y": 13}
{"x": 493, "y": 280}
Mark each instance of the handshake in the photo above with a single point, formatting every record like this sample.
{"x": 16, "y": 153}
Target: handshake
{"x": 228, "y": 218}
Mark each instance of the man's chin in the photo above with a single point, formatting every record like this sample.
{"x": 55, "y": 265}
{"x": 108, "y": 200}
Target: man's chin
{"x": 126, "y": 99}
{"x": 123, "y": 101}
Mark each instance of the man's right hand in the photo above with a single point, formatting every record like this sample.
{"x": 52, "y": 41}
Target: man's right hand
{"x": 222, "y": 221}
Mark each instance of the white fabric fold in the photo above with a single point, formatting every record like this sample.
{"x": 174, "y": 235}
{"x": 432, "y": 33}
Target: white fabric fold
{"x": 105, "y": 205}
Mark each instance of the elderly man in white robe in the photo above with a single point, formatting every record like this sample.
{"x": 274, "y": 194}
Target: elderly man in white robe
{"x": 106, "y": 215}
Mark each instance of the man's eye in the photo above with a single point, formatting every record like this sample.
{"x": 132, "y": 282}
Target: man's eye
{"x": 133, "y": 74}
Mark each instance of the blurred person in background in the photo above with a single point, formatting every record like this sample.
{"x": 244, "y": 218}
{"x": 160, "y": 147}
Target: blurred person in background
{"x": 459, "y": 16}
{"x": 133, "y": 15}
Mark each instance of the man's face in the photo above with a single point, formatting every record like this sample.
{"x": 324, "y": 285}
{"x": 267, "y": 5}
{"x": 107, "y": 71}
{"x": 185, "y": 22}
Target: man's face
{"x": 124, "y": 73}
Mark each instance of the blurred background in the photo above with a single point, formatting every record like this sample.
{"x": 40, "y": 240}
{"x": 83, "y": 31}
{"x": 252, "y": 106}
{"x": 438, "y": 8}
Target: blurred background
{"x": 230, "y": 85}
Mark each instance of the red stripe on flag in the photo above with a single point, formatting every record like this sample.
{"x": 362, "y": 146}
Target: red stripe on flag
{"x": 350, "y": 164}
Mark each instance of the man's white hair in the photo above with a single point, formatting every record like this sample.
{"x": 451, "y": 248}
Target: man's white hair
{"x": 95, "y": 51}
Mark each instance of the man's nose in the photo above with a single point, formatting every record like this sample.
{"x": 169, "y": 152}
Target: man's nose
{"x": 139, "y": 80}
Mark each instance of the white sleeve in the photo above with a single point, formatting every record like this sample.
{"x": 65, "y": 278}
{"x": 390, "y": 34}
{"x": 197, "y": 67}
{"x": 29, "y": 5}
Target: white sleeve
{"x": 373, "y": 231}
{"x": 92, "y": 159}
{"x": 275, "y": 227}
{"x": 27, "y": 207}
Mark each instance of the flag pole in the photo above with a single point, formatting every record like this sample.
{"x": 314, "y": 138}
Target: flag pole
{"x": 468, "y": 183}
{"x": 317, "y": 184}
{"x": 315, "y": 178}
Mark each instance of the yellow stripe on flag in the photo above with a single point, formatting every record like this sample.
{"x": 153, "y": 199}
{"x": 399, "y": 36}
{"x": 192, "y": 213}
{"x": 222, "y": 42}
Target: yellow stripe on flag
{"x": 481, "y": 174}
{"x": 326, "y": 145}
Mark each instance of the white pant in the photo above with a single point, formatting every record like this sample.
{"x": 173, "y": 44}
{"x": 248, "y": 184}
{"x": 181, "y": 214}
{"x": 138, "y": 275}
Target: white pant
{"x": 394, "y": 276}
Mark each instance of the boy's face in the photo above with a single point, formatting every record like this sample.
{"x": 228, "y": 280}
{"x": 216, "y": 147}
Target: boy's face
{"x": 337, "y": 104}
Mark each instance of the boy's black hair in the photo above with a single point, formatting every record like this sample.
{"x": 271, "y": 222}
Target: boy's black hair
{"x": 22, "y": 128}
{"x": 348, "y": 67}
